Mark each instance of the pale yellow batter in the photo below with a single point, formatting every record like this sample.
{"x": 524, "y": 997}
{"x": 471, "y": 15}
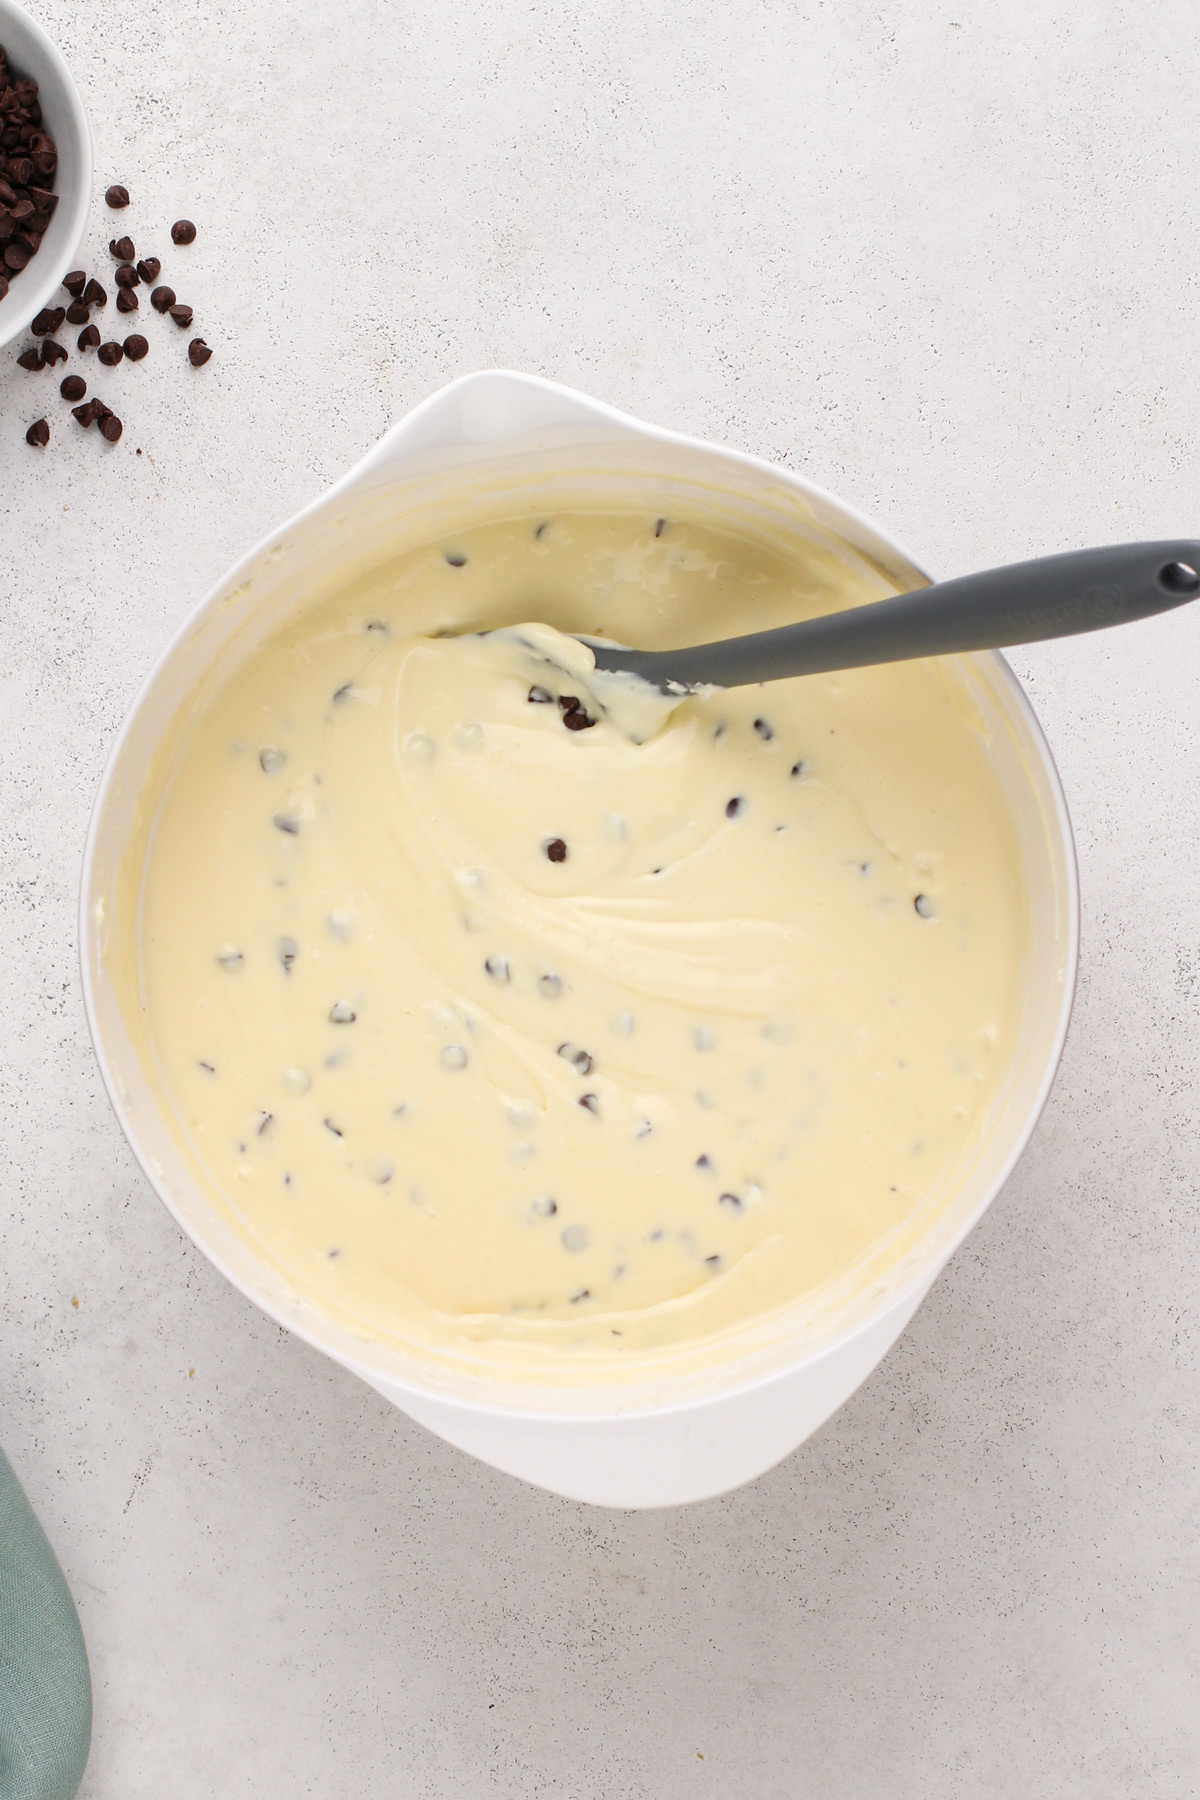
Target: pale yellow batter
{"x": 539, "y": 1041}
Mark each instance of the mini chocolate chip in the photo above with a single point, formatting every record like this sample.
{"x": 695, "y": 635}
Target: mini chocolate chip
{"x": 550, "y": 987}
{"x": 127, "y": 300}
{"x": 713, "y": 1262}
{"x": 731, "y": 1200}
{"x": 736, "y": 807}
{"x": 230, "y": 957}
{"x": 330, "y": 1126}
{"x": 923, "y": 906}
{"x": 555, "y": 849}
{"x": 73, "y": 387}
{"x": 94, "y": 294}
{"x": 537, "y": 695}
{"x": 182, "y": 315}
{"x": 570, "y": 702}
{"x": 48, "y": 320}
{"x": 799, "y": 768}
{"x": 75, "y": 282}
{"x": 183, "y": 232}
{"x": 288, "y": 823}
{"x": 110, "y": 353}
{"x": 660, "y": 525}
{"x": 198, "y": 353}
{"x": 88, "y": 338}
{"x": 498, "y": 968}
{"x": 575, "y": 1238}
{"x": 111, "y": 427}
{"x": 579, "y": 1059}
{"x": 545, "y": 1207}
{"x": 53, "y": 352}
{"x": 456, "y": 559}
{"x": 32, "y": 358}
{"x": 765, "y": 729}
{"x": 126, "y": 276}
{"x": 342, "y": 1013}
{"x": 162, "y": 299}
{"x": 590, "y": 1103}
{"x": 78, "y": 313}
{"x": 264, "y": 1122}
{"x": 342, "y": 694}
{"x": 117, "y": 197}
{"x": 287, "y": 950}
{"x": 704, "y": 1161}
{"x": 149, "y": 268}
{"x": 122, "y": 250}
{"x": 271, "y": 760}
{"x": 135, "y": 346}
{"x": 38, "y": 434}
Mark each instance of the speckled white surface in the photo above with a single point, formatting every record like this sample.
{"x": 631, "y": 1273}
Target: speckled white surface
{"x": 942, "y": 258}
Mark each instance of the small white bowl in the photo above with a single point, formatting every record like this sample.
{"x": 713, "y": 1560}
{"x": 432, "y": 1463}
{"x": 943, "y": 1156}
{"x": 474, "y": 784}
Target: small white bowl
{"x": 31, "y": 53}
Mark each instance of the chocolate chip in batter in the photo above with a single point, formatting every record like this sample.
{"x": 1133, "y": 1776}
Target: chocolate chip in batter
{"x": 545, "y": 1208}
{"x": 732, "y": 1201}
{"x": 799, "y": 768}
{"x": 265, "y": 1120}
{"x": 342, "y": 1013}
{"x": 555, "y": 849}
{"x": 736, "y": 807}
{"x": 453, "y": 1057}
{"x": 590, "y": 1103}
{"x": 550, "y": 987}
{"x": 765, "y": 730}
{"x": 381, "y": 1171}
{"x": 330, "y": 1126}
{"x": 575, "y": 1238}
{"x": 287, "y": 822}
{"x": 704, "y": 1037}
{"x": 498, "y": 968}
{"x": 342, "y": 694}
{"x": 207, "y": 1067}
{"x": 712, "y": 1262}
{"x": 660, "y": 525}
{"x": 229, "y": 957}
{"x": 923, "y": 906}
{"x": 583, "y": 1294}
{"x": 271, "y": 760}
{"x": 377, "y": 628}
{"x": 704, "y": 1161}
{"x": 575, "y": 716}
{"x": 579, "y": 1059}
{"x": 456, "y": 559}
{"x": 644, "y": 1129}
{"x": 287, "y": 950}
{"x": 538, "y": 696}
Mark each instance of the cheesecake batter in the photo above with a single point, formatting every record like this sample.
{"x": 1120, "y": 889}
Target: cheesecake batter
{"x": 508, "y": 1035}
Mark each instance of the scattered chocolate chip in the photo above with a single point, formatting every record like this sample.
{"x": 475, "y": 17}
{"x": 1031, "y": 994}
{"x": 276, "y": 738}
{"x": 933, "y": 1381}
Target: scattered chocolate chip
{"x": 923, "y": 906}
{"x": 183, "y": 232}
{"x": 32, "y": 359}
{"x": 736, "y": 807}
{"x": 127, "y": 301}
{"x": 52, "y": 352}
{"x": 75, "y": 282}
{"x": 122, "y": 251}
{"x": 162, "y": 299}
{"x": 94, "y": 294}
{"x": 88, "y": 339}
{"x": 126, "y": 276}
{"x": 182, "y": 316}
{"x": 456, "y": 559}
{"x": 765, "y": 729}
{"x": 578, "y": 720}
{"x": 117, "y": 197}
{"x": 135, "y": 346}
{"x": 198, "y": 353}
{"x": 78, "y": 313}
{"x": 590, "y": 1103}
{"x": 149, "y": 268}
{"x": 73, "y": 387}
{"x": 111, "y": 427}
{"x": 87, "y": 414}
{"x": 48, "y": 320}
{"x": 538, "y": 696}
{"x": 555, "y": 849}
{"x": 38, "y": 434}
{"x": 110, "y": 353}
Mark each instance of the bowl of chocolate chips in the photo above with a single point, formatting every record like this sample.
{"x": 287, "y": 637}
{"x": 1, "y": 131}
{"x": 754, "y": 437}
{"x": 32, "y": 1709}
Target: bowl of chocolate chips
{"x": 45, "y": 169}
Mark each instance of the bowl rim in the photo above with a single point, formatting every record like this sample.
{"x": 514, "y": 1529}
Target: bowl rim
{"x": 480, "y": 1401}
{"x": 49, "y": 279}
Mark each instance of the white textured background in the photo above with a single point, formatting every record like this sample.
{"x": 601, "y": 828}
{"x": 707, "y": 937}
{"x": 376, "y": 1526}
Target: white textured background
{"x": 941, "y": 256}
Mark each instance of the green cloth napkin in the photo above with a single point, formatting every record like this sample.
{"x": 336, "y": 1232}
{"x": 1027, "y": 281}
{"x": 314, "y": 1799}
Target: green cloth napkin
{"x": 45, "y": 1688}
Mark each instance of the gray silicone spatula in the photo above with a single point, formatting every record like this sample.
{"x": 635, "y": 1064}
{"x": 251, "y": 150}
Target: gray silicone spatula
{"x": 1054, "y": 596}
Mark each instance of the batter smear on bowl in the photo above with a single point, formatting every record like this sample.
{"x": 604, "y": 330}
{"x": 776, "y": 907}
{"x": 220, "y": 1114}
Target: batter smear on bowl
{"x": 499, "y": 1024}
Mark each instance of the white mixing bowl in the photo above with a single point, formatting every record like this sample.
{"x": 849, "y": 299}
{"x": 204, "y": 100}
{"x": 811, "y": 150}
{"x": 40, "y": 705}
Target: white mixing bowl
{"x": 32, "y": 54}
{"x": 682, "y": 1438}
